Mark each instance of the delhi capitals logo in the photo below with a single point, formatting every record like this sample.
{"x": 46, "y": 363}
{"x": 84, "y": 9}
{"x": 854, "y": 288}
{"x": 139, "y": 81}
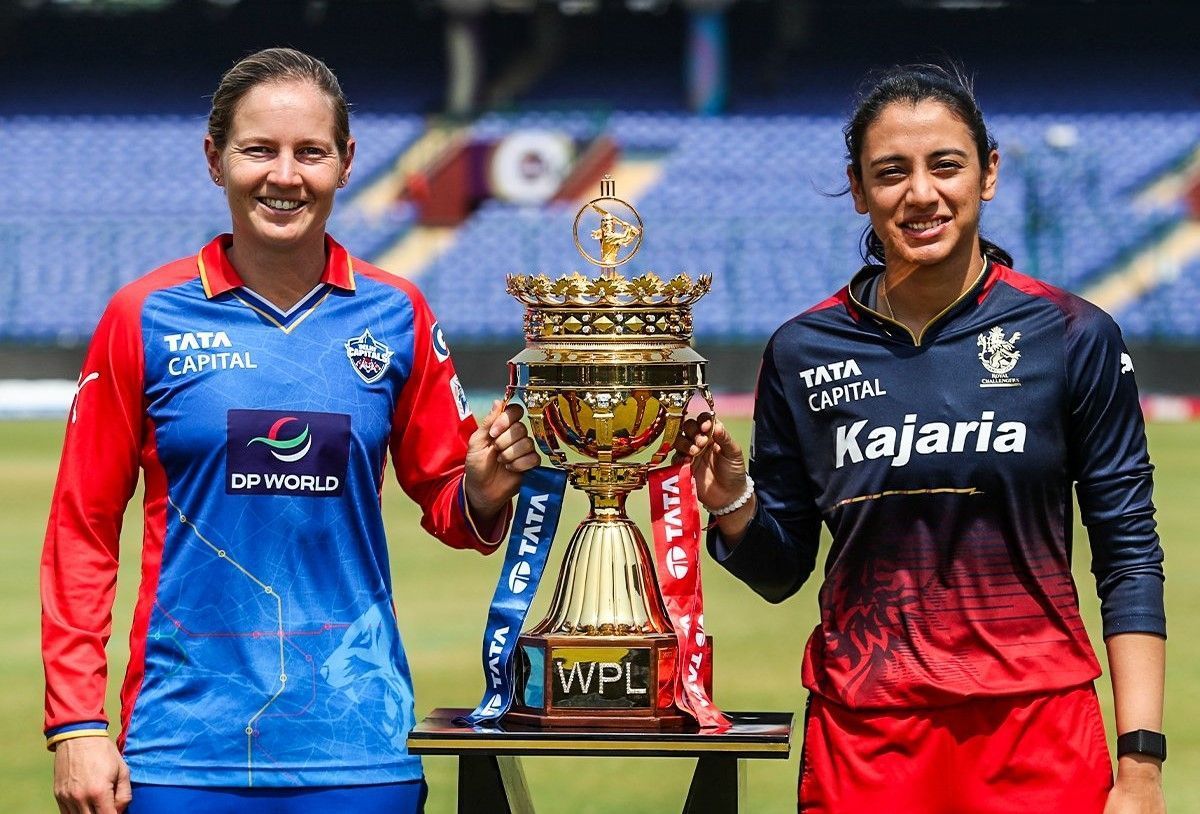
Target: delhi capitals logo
{"x": 999, "y": 356}
{"x": 368, "y": 356}
{"x": 287, "y": 450}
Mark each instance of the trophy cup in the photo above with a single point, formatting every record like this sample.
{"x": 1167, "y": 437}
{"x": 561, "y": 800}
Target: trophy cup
{"x": 606, "y": 377}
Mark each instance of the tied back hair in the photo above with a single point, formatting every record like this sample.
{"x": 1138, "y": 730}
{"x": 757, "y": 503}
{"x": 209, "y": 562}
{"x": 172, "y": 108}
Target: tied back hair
{"x": 913, "y": 84}
{"x": 277, "y": 65}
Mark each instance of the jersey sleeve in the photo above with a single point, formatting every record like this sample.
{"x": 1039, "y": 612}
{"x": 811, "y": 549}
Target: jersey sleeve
{"x": 430, "y": 429}
{"x": 779, "y": 549}
{"x": 1111, "y": 467}
{"x": 96, "y": 478}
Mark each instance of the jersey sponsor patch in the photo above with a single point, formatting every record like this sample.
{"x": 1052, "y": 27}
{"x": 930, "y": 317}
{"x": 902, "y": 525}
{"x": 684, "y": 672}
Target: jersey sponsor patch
{"x": 268, "y": 452}
{"x": 1126, "y": 363}
{"x": 854, "y": 443}
{"x": 460, "y": 398}
{"x": 440, "y": 349}
{"x": 849, "y": 385}
{"x": 203, "y": 351}
{"x": 368, "y": 356}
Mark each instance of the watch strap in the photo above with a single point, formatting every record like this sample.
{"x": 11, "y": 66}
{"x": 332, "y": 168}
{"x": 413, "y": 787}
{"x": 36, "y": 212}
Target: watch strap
{"x": 1143, "y": 742}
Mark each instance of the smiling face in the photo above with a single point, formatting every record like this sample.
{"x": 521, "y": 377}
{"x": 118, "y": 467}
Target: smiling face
{"x": 922, "y": 185}
{"x": 280, "y": 166}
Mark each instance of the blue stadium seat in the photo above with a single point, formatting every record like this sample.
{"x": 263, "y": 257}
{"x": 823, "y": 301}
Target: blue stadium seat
{"x": 93, "y": 201}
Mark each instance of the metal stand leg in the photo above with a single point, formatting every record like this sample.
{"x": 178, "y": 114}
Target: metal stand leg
{"x": 492, "y": 784}
{"x": 716, "y": 786}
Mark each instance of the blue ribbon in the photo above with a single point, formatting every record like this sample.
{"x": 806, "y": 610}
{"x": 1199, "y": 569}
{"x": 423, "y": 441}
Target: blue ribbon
{"x": 538, "y": 507}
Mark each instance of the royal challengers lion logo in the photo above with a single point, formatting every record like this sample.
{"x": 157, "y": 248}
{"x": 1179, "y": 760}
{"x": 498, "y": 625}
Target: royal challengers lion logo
{"x": 999, "y": 356}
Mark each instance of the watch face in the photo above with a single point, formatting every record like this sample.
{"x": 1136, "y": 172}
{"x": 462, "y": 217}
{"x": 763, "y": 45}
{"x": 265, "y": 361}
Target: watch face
{"x": 1143, "y": 742}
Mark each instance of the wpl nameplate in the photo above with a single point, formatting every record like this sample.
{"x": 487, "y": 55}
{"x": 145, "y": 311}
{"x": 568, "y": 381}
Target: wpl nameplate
{"x": 600, "y": 677}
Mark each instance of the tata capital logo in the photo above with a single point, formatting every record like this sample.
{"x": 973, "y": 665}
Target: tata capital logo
{"x": 518, "y": 577}
{"x": 285, "y": 449}
{"x": 677, "y": 562}
{"x": 201, "y": 351}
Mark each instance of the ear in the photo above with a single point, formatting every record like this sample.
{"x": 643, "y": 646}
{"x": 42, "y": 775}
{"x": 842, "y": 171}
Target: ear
{"x": 213, "y": 157}
{"x": 991, "y": 174}
{"x": 347, "y": 163}
{"x": 856, "y": 191}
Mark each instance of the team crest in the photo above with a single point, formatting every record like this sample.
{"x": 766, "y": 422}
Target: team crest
{"x": 368, "y": 356}
{"x": 999, "y": 356}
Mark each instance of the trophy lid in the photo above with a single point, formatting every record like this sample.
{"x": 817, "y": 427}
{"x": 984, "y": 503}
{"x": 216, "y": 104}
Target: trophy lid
{"x": 611, "y": 307}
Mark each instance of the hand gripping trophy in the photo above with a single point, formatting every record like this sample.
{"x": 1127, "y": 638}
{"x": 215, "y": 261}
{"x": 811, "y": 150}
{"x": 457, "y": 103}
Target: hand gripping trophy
{"x": 606, "y": 377}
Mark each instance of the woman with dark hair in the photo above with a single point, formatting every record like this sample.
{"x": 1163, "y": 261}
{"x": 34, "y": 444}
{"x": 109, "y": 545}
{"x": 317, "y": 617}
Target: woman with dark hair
{"x": 934, "y": 415}
{"x": 259, "y": 385}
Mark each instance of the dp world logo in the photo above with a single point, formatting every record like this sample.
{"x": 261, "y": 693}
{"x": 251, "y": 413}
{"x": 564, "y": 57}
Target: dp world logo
{"x": 272, "y": 452}
{"x": 291, "y": 447}
{"x": 518, "y": 577}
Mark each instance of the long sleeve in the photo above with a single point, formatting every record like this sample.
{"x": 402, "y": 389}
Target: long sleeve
{"x": 97, "y": 476}
{"x": 1112, "y": 470}
{"x": 779, "y": 549}
{"x": 430, "y": 430}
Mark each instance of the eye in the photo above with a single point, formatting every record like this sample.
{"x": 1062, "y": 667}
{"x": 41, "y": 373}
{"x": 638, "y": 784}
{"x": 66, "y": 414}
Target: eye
{"x": 256, "y": 150}
{"x": 948, "y": 165}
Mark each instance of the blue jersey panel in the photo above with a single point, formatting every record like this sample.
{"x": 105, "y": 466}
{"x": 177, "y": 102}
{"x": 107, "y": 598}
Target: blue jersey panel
{"x": 272, "y": 654}
{"x": 390, "y": 798}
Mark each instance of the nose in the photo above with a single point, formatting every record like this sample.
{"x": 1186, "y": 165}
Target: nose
{"x": 284, "y": 171}
{"x": 921, "y": 189}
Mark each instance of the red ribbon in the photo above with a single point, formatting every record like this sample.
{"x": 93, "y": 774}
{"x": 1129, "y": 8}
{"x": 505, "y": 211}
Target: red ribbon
{"x": 676, "y": 520}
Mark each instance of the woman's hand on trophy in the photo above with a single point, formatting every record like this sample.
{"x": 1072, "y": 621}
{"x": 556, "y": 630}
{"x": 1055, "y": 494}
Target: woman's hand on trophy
{"x": 717, "y": 461}
{"x": 498, "y": 453}
{"x": 719, "y": 469}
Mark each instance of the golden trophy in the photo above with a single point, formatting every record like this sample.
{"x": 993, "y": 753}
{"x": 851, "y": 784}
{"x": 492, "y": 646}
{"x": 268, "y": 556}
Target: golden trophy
{"x": 606, "y": 377}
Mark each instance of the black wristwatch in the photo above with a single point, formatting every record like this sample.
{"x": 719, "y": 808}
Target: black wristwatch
{"x": 1143, "y": 742}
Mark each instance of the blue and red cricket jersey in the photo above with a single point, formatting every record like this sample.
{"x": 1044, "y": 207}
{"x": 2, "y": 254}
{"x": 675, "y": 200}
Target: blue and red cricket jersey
{"x": 942, "y": 464}
{"x": 264, "y": 649}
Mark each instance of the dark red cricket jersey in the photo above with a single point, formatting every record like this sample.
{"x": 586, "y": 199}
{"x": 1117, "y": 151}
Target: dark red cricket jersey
{"x": 942, "y": 465}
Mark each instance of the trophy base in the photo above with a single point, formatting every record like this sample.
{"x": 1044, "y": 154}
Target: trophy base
{"x": 605, "y": 682}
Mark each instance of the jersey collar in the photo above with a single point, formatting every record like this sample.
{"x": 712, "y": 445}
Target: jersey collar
{"x": 218, "y": 275}
{"x": 971, "y": 297}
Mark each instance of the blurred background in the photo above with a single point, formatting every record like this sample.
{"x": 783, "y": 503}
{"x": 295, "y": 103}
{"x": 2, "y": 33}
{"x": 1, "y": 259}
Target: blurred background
{"x": 481, "y": 127}
{"x": 482, "y": 123}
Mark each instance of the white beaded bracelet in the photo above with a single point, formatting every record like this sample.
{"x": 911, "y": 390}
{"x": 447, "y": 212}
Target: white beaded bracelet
{"x": 737, "y": 504}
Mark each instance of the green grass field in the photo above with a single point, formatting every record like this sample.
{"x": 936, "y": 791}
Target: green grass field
{"x": 442, "y": 598}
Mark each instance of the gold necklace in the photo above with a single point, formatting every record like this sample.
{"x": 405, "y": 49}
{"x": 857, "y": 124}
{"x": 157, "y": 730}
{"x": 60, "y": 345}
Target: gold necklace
{"x": 884, "y": 297}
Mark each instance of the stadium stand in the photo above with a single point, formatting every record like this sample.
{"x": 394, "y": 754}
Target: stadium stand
{"x": 116, "y": 196}
{"x": 751, "y": 199}
{"x": 1170, "y": 311}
